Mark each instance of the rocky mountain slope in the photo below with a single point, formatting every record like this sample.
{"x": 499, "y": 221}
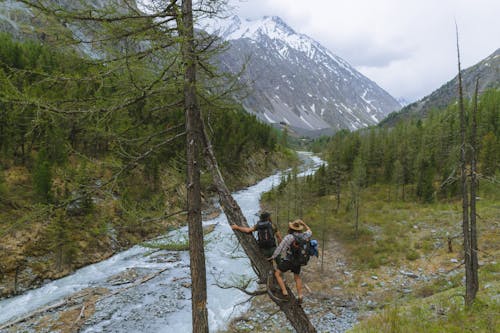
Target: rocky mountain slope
{"x": 294, "y": 80}
{"x": 488, "y": 73}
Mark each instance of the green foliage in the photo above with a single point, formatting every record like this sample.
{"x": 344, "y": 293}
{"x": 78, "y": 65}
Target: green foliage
{"x": 423, "y": 153}
{"x": 60, "y": 239}
{"x": 42, "y": 178}
{"x": 443, "y": 312}
{"x": 489, "y": 154}
{"x": 425, "y": 179}
{"x": 104, "y": 138}
{"x": 3, "y": 185}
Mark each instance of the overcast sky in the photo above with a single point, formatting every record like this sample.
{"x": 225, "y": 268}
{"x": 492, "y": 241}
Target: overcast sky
{"x": 406, "y": 46}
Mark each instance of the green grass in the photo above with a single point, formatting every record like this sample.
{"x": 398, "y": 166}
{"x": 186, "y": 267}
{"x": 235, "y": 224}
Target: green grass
{"x": 408, "y": 234}
{"x": 443, "y": 312}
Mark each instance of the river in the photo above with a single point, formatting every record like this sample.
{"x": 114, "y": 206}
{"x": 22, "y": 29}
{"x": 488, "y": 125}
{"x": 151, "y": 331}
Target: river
{"x": 163, "y": 303}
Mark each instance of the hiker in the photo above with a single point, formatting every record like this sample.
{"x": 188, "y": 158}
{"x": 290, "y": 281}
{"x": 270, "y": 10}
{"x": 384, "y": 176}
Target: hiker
{"x": 298, "y": 232}
{"x": 266, "y": 232}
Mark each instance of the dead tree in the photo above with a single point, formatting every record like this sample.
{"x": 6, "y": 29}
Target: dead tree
{"x": 291, "y": 308}
{"x": 471, "y": 283}
{"x": 473, "y": 190}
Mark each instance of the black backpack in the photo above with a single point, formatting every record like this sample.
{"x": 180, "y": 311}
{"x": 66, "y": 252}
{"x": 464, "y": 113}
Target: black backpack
{"x": 300, "y": 251}
{"x": 265, "y": 235}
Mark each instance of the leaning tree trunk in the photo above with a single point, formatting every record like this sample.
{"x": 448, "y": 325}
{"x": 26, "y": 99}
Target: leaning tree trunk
{"x": 293, "y": 311}
{"x": 193, "y": 154}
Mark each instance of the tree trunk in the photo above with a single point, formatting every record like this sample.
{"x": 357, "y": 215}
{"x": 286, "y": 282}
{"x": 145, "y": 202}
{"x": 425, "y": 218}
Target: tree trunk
{"x": 293, "y": 311}
{"x": 473, "y": 191}
{"x": 193, "y": 142}
{"x": 469, "y": 297}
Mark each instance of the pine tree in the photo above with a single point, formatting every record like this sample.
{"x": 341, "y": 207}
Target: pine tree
{"x": 489, "y": 154}
{"x": 42, "y": 178}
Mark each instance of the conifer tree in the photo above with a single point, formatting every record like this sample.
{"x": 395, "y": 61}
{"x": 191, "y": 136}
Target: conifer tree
{"x": 42, "y": 178}
{"x": 488, "y": 158}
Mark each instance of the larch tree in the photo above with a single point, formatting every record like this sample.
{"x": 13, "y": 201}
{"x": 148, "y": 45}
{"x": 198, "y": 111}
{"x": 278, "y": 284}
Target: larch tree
{"x": 155, "y": 51}
{"x": 468, "y": 203}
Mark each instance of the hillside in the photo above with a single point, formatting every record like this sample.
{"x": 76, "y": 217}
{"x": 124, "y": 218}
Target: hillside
{"x": 488, "y": 73}
{"x": 87, "y": 169}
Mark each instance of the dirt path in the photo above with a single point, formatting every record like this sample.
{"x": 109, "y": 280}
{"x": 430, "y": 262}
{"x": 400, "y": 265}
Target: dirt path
{"x": 331, "y": 307}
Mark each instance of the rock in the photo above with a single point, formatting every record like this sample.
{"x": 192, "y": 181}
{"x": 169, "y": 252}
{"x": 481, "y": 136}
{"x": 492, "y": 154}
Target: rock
{"x": 409, "y": 274}
{"x": 454, "y": 260}
{"x": 374, "y": 277}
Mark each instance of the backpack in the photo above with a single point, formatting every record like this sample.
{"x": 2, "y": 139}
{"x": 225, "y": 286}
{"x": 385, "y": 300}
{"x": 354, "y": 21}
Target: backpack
{"x": 313, "y": 249}
{"x": 300, "y": 251}
{"x": 265, "y": 235}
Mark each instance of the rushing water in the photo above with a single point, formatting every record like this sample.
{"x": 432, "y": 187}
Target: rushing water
{"x": 162, "y": 304}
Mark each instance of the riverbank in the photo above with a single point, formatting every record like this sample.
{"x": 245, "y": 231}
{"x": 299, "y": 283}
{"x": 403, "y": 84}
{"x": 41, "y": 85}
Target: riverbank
{"x": 40, "y": 244}
{"x": 148, "y": 287}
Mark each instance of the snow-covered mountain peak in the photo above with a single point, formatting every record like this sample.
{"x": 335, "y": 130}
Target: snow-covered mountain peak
{"x": 271, "y": 26}
{"x": 296, "y": 81}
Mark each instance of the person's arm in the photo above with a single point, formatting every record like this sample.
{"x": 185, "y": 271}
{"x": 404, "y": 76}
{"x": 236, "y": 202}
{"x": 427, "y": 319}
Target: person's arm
{"x": 277, "y": 233}
{"x": 278, "y": 236}
{"x": 283, "y": 244}
{"x": 308, "y": 231}
{"x": 246, "y": 230}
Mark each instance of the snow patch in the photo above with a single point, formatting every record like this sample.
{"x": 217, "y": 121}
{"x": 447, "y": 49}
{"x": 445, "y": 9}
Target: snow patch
{"x": 306, "y": 122}
{"x": 269, "y": 119}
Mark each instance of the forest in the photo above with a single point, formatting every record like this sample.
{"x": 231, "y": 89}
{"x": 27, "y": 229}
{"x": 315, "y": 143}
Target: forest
{"x": 87, "y": 170}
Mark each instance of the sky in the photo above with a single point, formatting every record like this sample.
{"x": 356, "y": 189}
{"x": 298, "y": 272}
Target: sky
{"x": 408, "y": 47}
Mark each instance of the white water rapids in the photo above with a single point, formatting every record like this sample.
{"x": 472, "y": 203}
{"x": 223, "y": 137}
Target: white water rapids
{"x": 162, "y": 304}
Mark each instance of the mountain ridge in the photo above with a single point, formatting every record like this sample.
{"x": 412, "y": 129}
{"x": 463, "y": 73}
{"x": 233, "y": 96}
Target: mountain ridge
{"x": 486, "y": 70}
{"x": 294, "y": 80}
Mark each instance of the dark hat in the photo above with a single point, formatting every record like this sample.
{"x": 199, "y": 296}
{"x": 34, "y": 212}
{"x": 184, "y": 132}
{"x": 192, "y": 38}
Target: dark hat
{"x": 296, "y": 225}
{"x": 264, "y": 216}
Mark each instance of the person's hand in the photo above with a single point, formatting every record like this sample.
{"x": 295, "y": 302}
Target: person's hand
{"x": 234, "y": 227}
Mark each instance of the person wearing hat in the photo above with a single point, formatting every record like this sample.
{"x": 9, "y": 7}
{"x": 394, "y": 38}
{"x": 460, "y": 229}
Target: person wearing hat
{"x": 299, "y": 229}
{"x": 267, "y": 233}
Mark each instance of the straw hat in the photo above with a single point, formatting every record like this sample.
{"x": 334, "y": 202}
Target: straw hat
{"x": 296, "y": 225}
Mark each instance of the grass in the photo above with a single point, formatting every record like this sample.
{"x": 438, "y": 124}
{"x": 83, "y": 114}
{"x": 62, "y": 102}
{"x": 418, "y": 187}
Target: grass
{"x": 409, "y": 236}
{"x": 443, "y": 312}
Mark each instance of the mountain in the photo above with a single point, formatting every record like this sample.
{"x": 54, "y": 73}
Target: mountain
{"x": 488, "y": 72}
{"x": 294, "y": 80}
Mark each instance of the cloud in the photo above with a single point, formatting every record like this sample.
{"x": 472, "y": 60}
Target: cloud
{"x": 407, "y": 47}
